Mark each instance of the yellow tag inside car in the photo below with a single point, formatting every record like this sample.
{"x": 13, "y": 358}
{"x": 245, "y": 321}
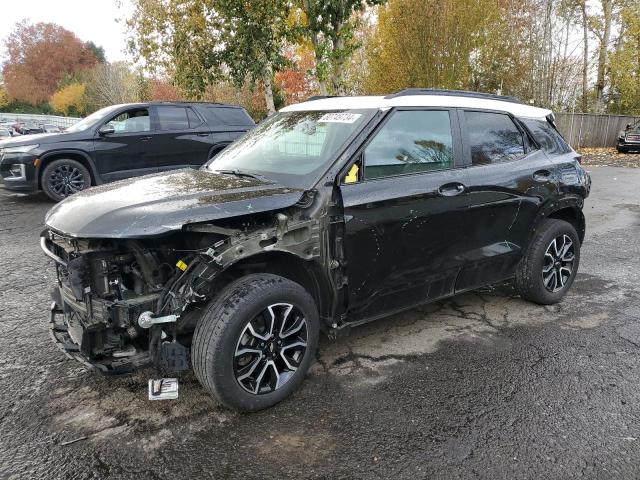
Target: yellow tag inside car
{"x": 352, "y": 176}
{"x": 181, "y": 265}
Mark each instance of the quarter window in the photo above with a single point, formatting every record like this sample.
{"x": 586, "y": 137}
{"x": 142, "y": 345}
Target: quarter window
{"x": 412, "y": 141}
{"x": 173, "y": 118}
{"x": 493, "y": 137}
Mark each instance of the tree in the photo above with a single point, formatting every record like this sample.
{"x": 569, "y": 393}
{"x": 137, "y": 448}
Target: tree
{"x": 428, "y": 43}
{"x": 38, "y": 56}
{"x": 4, "y": 98}
{"x": 199, "y": 42}
{"x": 97, "y": 51}
{"x": 112, "y": 83}
{"x": 330, "y": 25}
{"x": 70, "y": 100}
{"x": 294, "y": 82}
{"x": 624, "y": 71}
{"x": 160, "y": 89}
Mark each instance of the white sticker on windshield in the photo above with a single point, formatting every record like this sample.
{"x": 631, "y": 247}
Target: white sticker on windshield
{"x": 340, "y": 117}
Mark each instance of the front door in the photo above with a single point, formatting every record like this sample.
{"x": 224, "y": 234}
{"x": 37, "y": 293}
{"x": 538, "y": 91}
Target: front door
{"x": 405, "y": 214}
{"x": 128, "y": 151}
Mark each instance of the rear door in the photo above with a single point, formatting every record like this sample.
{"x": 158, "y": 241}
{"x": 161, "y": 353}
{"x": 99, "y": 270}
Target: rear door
{"x": 509, "y": 177}
{"x": 183, "y": 137}
{"x": 405, "y": 213}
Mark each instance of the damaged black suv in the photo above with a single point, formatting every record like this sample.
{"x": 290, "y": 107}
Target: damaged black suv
{"x": 331, "y": 213}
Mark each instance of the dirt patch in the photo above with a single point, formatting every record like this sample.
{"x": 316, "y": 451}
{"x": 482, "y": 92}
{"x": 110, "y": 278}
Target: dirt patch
{"x": 609, "y": 157}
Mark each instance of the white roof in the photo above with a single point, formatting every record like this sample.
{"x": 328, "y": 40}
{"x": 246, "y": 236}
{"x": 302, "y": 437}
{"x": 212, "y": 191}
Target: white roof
{"x": 423, "y": 100}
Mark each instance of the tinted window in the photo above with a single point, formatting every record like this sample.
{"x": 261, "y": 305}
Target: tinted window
{"x": 134, "y": 120}
{"x": 172, "y": 118}
{"x": 194, "y": 120}
{"x": 546, "y": 135}
{"x": 231, "y": 116}
{"x": 493, "y": 137}
{"x": 411, "y": 141}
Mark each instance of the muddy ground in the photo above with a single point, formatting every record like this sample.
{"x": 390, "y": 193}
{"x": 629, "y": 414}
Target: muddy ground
{"x": 480, "y": 386}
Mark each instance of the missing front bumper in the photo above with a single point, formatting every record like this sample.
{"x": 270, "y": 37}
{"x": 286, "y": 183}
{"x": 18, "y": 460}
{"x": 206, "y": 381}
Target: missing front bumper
{"x": 110, "y": 365}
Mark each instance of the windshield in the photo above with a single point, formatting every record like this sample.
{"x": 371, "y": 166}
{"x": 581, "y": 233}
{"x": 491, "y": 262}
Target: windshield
{"x": 87, "y": 122}
{"x": 292, "y": 147}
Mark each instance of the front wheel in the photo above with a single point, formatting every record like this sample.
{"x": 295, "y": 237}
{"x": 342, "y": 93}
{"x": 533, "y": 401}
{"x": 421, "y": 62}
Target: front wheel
{"x": 64, "y": 177}
{"x": 549, "y": 267}
{"x": 255, "y": 341}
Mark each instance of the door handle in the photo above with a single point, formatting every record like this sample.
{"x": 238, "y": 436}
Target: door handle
{"x": 541, "y": 175}
{"x": 145, "y": 139}
{"x": 451, "y": 189}
{"x": 204, "y": 134}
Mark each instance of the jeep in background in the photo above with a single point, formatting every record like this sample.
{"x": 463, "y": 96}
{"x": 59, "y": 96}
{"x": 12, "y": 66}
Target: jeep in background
{"x": 629, "y": 138}
{"x": 329, "y": 214}
{"x": 118, "y": 142}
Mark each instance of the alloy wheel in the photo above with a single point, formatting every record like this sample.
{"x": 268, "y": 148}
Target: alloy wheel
{"x": 66, "y": 180}
{"x": 558, "y": 263}
{"x": 270, "y": 349}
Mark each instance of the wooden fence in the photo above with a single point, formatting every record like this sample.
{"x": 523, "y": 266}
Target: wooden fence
{"x": 590, "y": 129}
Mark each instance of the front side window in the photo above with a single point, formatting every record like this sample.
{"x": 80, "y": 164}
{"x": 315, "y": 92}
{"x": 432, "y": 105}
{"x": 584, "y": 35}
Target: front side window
{"x": 410, "y": 141}
{"x": 292, "y": 147}
{"x": 131, "y": 121}
{"x": 172, "y": 118}
{"x": 493, "y": 137}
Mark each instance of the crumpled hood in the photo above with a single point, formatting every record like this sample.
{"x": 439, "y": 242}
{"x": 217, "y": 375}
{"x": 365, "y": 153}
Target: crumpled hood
{"x": 163, "y": 202}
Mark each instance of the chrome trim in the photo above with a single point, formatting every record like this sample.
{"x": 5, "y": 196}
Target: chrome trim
{"x": 49, "y": 253}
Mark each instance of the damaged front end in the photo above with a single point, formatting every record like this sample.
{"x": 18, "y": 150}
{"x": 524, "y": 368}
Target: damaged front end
{"x": 120, "y": 305}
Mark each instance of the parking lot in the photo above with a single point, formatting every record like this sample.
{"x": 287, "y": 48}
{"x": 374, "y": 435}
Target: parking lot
{"x": 483, "y": 385}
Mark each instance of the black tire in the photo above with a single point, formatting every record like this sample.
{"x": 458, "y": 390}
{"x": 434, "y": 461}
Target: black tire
{"x": 622, "y": 150}
{"x": 531, "y": 281}
{"x": 223, "y": 328}
{"x": 64, "y": 177}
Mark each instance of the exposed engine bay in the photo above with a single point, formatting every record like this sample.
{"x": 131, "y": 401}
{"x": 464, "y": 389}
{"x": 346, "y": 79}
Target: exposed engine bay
{"x": 124, "y": 304}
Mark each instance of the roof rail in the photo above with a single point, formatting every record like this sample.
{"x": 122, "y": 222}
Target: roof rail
{"x": 320, "y": 97}
{"x": 452, "y": 93}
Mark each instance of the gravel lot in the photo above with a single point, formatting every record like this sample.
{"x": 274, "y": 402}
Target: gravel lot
{"x": 480, "y": 386}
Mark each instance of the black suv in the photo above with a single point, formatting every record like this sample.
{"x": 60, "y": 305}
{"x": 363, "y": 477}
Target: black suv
{"x": 629, "y": 138}
{"x": 118, "y": 142}
{"x": 331, "y": 213}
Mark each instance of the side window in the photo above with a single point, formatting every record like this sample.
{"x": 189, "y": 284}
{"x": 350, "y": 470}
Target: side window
{"x": 172, "y": 118}
{"x": 411, "y": 141}
{"x": 131, "y": 121}
{"x": 546, "y": 135}
{"x": 194, "y": 120}
{"x": 493, "y": 137}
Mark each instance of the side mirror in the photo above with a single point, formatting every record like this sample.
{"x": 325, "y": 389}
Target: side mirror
{"x": 106, "y": 130}
{"x": 628, "y": 126}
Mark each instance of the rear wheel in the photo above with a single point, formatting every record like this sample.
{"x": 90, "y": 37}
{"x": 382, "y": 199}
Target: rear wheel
{"x": 550, "y": 264}
{"x": 255, "y": 341}
{"x": 64, "y": 177}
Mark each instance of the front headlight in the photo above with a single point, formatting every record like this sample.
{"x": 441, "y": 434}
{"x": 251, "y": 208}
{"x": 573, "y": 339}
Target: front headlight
{"x": 20, "y": 149}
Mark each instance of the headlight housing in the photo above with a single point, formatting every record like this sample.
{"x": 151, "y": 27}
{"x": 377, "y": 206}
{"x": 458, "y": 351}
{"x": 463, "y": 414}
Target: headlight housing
{"x": 20, "y": 149}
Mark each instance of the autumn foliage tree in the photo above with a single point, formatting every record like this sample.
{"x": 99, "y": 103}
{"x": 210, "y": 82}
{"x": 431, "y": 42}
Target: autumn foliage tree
{"x": 39, "y": 56}
{"x": 70, "y": 100}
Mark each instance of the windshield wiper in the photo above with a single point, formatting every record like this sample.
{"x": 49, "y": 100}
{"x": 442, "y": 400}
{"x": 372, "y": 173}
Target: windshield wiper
{"x": 238, "y": 173}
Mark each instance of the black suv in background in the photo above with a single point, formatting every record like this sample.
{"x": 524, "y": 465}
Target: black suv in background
{"x": 118, "y": 142}
{"x": 629, "y": 138}
{"x": 329, "y": 214}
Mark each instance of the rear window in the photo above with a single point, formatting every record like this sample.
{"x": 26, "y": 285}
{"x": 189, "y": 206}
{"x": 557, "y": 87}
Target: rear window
{"x": 546, "y": 135}
{"x": 235, "y": 117}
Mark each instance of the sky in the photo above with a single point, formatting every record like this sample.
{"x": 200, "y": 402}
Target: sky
{"x": 95, "y": 20}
